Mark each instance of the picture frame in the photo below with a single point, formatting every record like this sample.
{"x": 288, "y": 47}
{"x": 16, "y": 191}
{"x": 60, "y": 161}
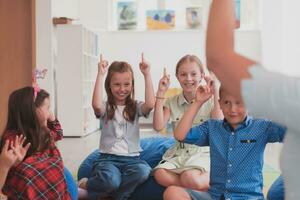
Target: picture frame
{"x": 160, "y": 19}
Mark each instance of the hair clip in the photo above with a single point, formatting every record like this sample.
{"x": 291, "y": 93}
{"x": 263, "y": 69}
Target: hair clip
{"x": 37, "y": 74}
{"x": 40, "y": 73}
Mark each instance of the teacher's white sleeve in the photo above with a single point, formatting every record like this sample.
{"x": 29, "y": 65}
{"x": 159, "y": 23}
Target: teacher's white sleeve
{"x": 273, "y": 95}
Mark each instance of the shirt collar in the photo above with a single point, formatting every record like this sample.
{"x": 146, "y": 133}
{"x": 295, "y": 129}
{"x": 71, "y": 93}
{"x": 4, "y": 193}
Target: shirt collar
{"x": 242, "y": 125}
{"x": 181, "y": 99}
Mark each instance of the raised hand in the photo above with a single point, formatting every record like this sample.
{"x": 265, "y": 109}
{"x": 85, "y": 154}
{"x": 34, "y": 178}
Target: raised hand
{"x": 204, "y": 92}
{"x": 164, "y": 83}
{"x": 102, "y": 65}
{"x": 144, "y": 66}
{"x": 7, "y": 156}
{"x": 18, "y": 148}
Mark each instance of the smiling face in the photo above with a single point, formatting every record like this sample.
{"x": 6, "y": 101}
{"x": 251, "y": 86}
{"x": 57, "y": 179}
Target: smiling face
{"x": 233, "y": 108}
{"x": 189, "y": 76}
{"x": 121, "y": 86}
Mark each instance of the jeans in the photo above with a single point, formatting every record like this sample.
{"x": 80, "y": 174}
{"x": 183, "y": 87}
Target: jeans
{"x": 197, "y": 195}
{"x": 276, "y": 191}
{"x": 116, "y": 176}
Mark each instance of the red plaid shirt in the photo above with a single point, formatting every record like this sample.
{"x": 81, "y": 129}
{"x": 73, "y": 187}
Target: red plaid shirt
{"x": 39, "y": 176}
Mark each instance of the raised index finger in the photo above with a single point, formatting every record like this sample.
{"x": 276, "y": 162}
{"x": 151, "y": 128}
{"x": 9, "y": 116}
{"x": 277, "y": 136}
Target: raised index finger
{"x": 101, "y": 58}
{"x": 165, "y": 71}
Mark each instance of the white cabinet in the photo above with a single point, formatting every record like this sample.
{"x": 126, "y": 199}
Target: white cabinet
{"x": 77, "y": 58}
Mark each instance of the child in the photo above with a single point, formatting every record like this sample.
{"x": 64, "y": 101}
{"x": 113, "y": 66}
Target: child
{"x": 10, "y": 157}
{"x": 237, "y": 146}
{"x": 184, "y": 165}
{"x": 40, "y": 174}
{"x": 119, "y": 170}
{"x": 265, "y": 92}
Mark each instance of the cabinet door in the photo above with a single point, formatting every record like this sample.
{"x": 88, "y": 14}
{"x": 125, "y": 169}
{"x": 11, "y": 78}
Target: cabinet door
{"x": 17, "y": 49}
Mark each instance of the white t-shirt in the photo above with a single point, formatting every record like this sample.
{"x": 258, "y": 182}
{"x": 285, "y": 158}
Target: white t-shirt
{"x": 120, "y": 147}
{"x": 277, "y": 97}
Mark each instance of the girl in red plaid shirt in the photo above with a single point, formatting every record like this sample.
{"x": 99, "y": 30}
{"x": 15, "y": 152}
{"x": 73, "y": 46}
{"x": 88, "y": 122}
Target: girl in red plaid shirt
{"x": 40, "y": 175}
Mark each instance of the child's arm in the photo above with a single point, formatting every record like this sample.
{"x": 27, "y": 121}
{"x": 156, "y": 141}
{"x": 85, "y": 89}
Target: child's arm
{"x": 12, "y": 156}
{"x": 7, "y": 159}
{"x": 149, "y": 92}
{"x": 97, "y": 102}
{"x": 216, "y": 112}
{"x": 161, "y": 114}
{"x": 229, "y": 67}
{"x": 202, "y": 95}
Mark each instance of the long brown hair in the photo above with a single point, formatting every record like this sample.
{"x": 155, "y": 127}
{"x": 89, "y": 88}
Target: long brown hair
{"x": 189, "y": 58}
{"x": 22, "y": 118}
{"x": 130, "y": 104}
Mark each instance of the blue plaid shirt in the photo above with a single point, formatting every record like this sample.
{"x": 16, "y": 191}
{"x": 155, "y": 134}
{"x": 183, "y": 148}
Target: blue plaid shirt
{"x": 236, "y": 155}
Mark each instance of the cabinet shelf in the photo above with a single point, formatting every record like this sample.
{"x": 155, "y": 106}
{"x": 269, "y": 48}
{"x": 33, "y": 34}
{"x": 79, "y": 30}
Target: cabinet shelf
{"x": 77, "y": 60}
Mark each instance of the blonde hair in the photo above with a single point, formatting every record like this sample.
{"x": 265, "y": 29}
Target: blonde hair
{"x": 190, "y": 58}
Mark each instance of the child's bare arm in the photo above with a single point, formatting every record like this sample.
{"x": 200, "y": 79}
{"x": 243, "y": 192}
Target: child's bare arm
{"x": 202, "y": 95}
{"x": 229, "y": 67}
{"x": 216, "y": 112}
{"x": 161, "y": 114}
{"x": 149, "y": 91}
{"x": 97, "y": 101}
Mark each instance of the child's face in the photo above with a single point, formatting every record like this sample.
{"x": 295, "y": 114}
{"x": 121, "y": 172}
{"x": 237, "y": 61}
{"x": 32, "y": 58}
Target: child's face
{"x": 121, "y": 86}
{"x": 233, "y": 109}
{"x": 189, "y": 76}
{"x": 43, "y": 112}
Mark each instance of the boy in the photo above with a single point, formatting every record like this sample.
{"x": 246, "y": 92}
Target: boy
{"x": 236, "y": 143}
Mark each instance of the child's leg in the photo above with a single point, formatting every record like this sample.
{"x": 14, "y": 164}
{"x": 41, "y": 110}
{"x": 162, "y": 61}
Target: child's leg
{"x": 176, "y": 193}
{"x": 106, "y": 178}
{"x": 195, "y": 179}
{"x": 179, "y": 193}
{"x": 166, "y": 178}
{"x": 134, "y": 173}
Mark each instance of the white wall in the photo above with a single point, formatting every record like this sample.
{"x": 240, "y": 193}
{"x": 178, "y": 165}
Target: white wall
{"x": 291, "y": 37}
{"x": 65, "y": 8}
{"x": 162, "y": 48}
{"x": 45, "y": 46}
{"x": 280, "y": 36}
{"x": 165, "y": 48}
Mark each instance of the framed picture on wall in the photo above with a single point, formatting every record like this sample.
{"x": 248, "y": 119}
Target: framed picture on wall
{"x": 127, "y": 15}
{"x": 160, "y": 19}
{"x": 194, "y": 17}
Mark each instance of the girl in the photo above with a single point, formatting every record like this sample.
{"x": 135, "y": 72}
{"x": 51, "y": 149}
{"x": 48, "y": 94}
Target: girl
{"x": 40, "y": 174}
{"x": 184, "y": 164}
{"x": 119, "y": 170}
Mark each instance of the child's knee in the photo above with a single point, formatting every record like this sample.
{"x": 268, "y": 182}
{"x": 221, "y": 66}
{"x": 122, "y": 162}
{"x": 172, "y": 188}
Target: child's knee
{"x": 159, "y": 173}
{"x": 142, "y": 172}
{"x": 175, "y": 192}
{"x": 113, "y": 183}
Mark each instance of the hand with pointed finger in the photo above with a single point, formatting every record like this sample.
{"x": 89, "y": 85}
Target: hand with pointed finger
{"x": 102, "y": 65}
{"x": 163, "y": 85}
{"x": 144, "y": 66}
